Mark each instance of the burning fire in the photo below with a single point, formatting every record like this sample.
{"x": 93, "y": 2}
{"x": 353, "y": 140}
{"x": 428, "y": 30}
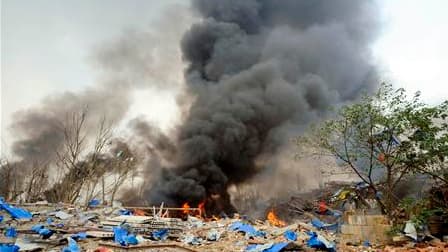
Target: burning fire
{"x": 186, "y": 208}
{"x": 274, "y": 220}
{"x": 139, "y": 212}
{"x": 201, "y": 207}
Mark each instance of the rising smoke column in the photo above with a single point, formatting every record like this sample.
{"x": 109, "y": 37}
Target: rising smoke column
{"x": 259, "y": 71}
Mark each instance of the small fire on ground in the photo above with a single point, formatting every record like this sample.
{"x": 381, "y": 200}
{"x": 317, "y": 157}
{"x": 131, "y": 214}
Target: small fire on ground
{"x": 138, "y": 212}
{"x": 186, "y": 208}
{"x": 274, "y": 220}
{"x": 199, "y": 210}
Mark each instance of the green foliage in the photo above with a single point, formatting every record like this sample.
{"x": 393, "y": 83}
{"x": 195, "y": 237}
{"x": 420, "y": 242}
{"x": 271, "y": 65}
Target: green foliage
{"x": 419, "y": 211}
{"x": 388, "y": 131}
{"x": 395, "y": 230}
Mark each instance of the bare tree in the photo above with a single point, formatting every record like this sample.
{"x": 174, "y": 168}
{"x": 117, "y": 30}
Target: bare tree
{"x": 69, "y": 160}
{"x": 97, "y": 162}
{"x": 10, "y": 180}
{"x": 83, "y": 170}
{"x": 36, "y": 181}
{"x": 124, "y": 165}
{"x": 100, "y": 171}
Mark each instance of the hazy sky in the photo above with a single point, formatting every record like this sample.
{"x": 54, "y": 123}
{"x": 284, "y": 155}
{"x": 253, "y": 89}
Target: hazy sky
{"x": 414, "y": 46}
{"x": 46, "y": 44}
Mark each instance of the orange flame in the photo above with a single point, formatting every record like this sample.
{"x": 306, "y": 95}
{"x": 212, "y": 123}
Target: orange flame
{"x": 273, "y": 220}
{"x": 201, "y": 207}
{"x": 186, "y": 208}
{"x": 139, "y": 212}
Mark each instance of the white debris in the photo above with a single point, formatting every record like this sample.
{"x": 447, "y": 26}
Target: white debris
{"x": 63, "y": 215}
{"x": 410, "y": 230}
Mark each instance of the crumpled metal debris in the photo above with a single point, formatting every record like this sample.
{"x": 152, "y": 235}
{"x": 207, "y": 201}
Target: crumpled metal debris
{"x": 213, "y": 235}
{"x": 191, "y": 239}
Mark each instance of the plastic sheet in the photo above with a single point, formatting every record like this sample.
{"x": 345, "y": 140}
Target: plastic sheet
{"x": 72, "y": 246}
{"x": 290, "y": 235}
{"x": 15, "y": 212}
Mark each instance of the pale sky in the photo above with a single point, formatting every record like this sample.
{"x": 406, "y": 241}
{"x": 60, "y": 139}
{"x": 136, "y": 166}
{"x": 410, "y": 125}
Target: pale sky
{"x": 46, "y": 44}
{"x": 414, "y": 46}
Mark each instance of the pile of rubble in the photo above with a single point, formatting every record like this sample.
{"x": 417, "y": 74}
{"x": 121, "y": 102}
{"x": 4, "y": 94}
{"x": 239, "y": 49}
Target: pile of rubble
{"x": 49, "y": 227}
{"x": 316, "y": 227}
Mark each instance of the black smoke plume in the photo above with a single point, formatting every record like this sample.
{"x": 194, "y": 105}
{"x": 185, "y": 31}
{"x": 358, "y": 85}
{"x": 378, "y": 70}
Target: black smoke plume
{"x": 258, "y": 72}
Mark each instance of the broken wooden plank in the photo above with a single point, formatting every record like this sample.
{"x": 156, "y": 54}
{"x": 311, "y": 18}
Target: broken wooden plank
{"x": 30, "y": 246}
{"x": 130, "y": 219}
{"x": 165, "y": 208}
{"x": 143, "y": 246}
{"x": 100, "y": 234}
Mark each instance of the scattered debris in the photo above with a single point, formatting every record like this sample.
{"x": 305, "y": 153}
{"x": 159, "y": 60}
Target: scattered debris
{"x": 9, "y": 248}
{"x": 123, "y": 237}
{"x": 62, "y": 215}
{"x": 318, "y": 241}
{"x": 248, "y": 229}
{"x": 11, "y": 232}
{"x": 72, "y": 246}
{"x": 290, "y": 235}
{"x": 94, "y": 203}
{"x": 15, "y": 212}
{"x": 213, "y": 235}
{"x": 320, "y": 225}
{"x": 160, "y": 235}
{"x": 410, "y": 230}
{"x": 191, "y": 239}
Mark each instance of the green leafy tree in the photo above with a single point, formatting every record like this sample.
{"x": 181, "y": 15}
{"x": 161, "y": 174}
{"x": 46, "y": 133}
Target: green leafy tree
{"x": 384, "y": 138}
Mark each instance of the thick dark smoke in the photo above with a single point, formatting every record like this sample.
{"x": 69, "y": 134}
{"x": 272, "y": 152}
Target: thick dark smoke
{"x": 259, "y": 71}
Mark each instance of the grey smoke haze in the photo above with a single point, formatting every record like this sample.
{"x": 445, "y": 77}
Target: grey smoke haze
{"x": 41, "y": 128}
{"x": 153, "y": 139}
{"x": 137, "y": 60}
{"x": 259, "y": 72}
